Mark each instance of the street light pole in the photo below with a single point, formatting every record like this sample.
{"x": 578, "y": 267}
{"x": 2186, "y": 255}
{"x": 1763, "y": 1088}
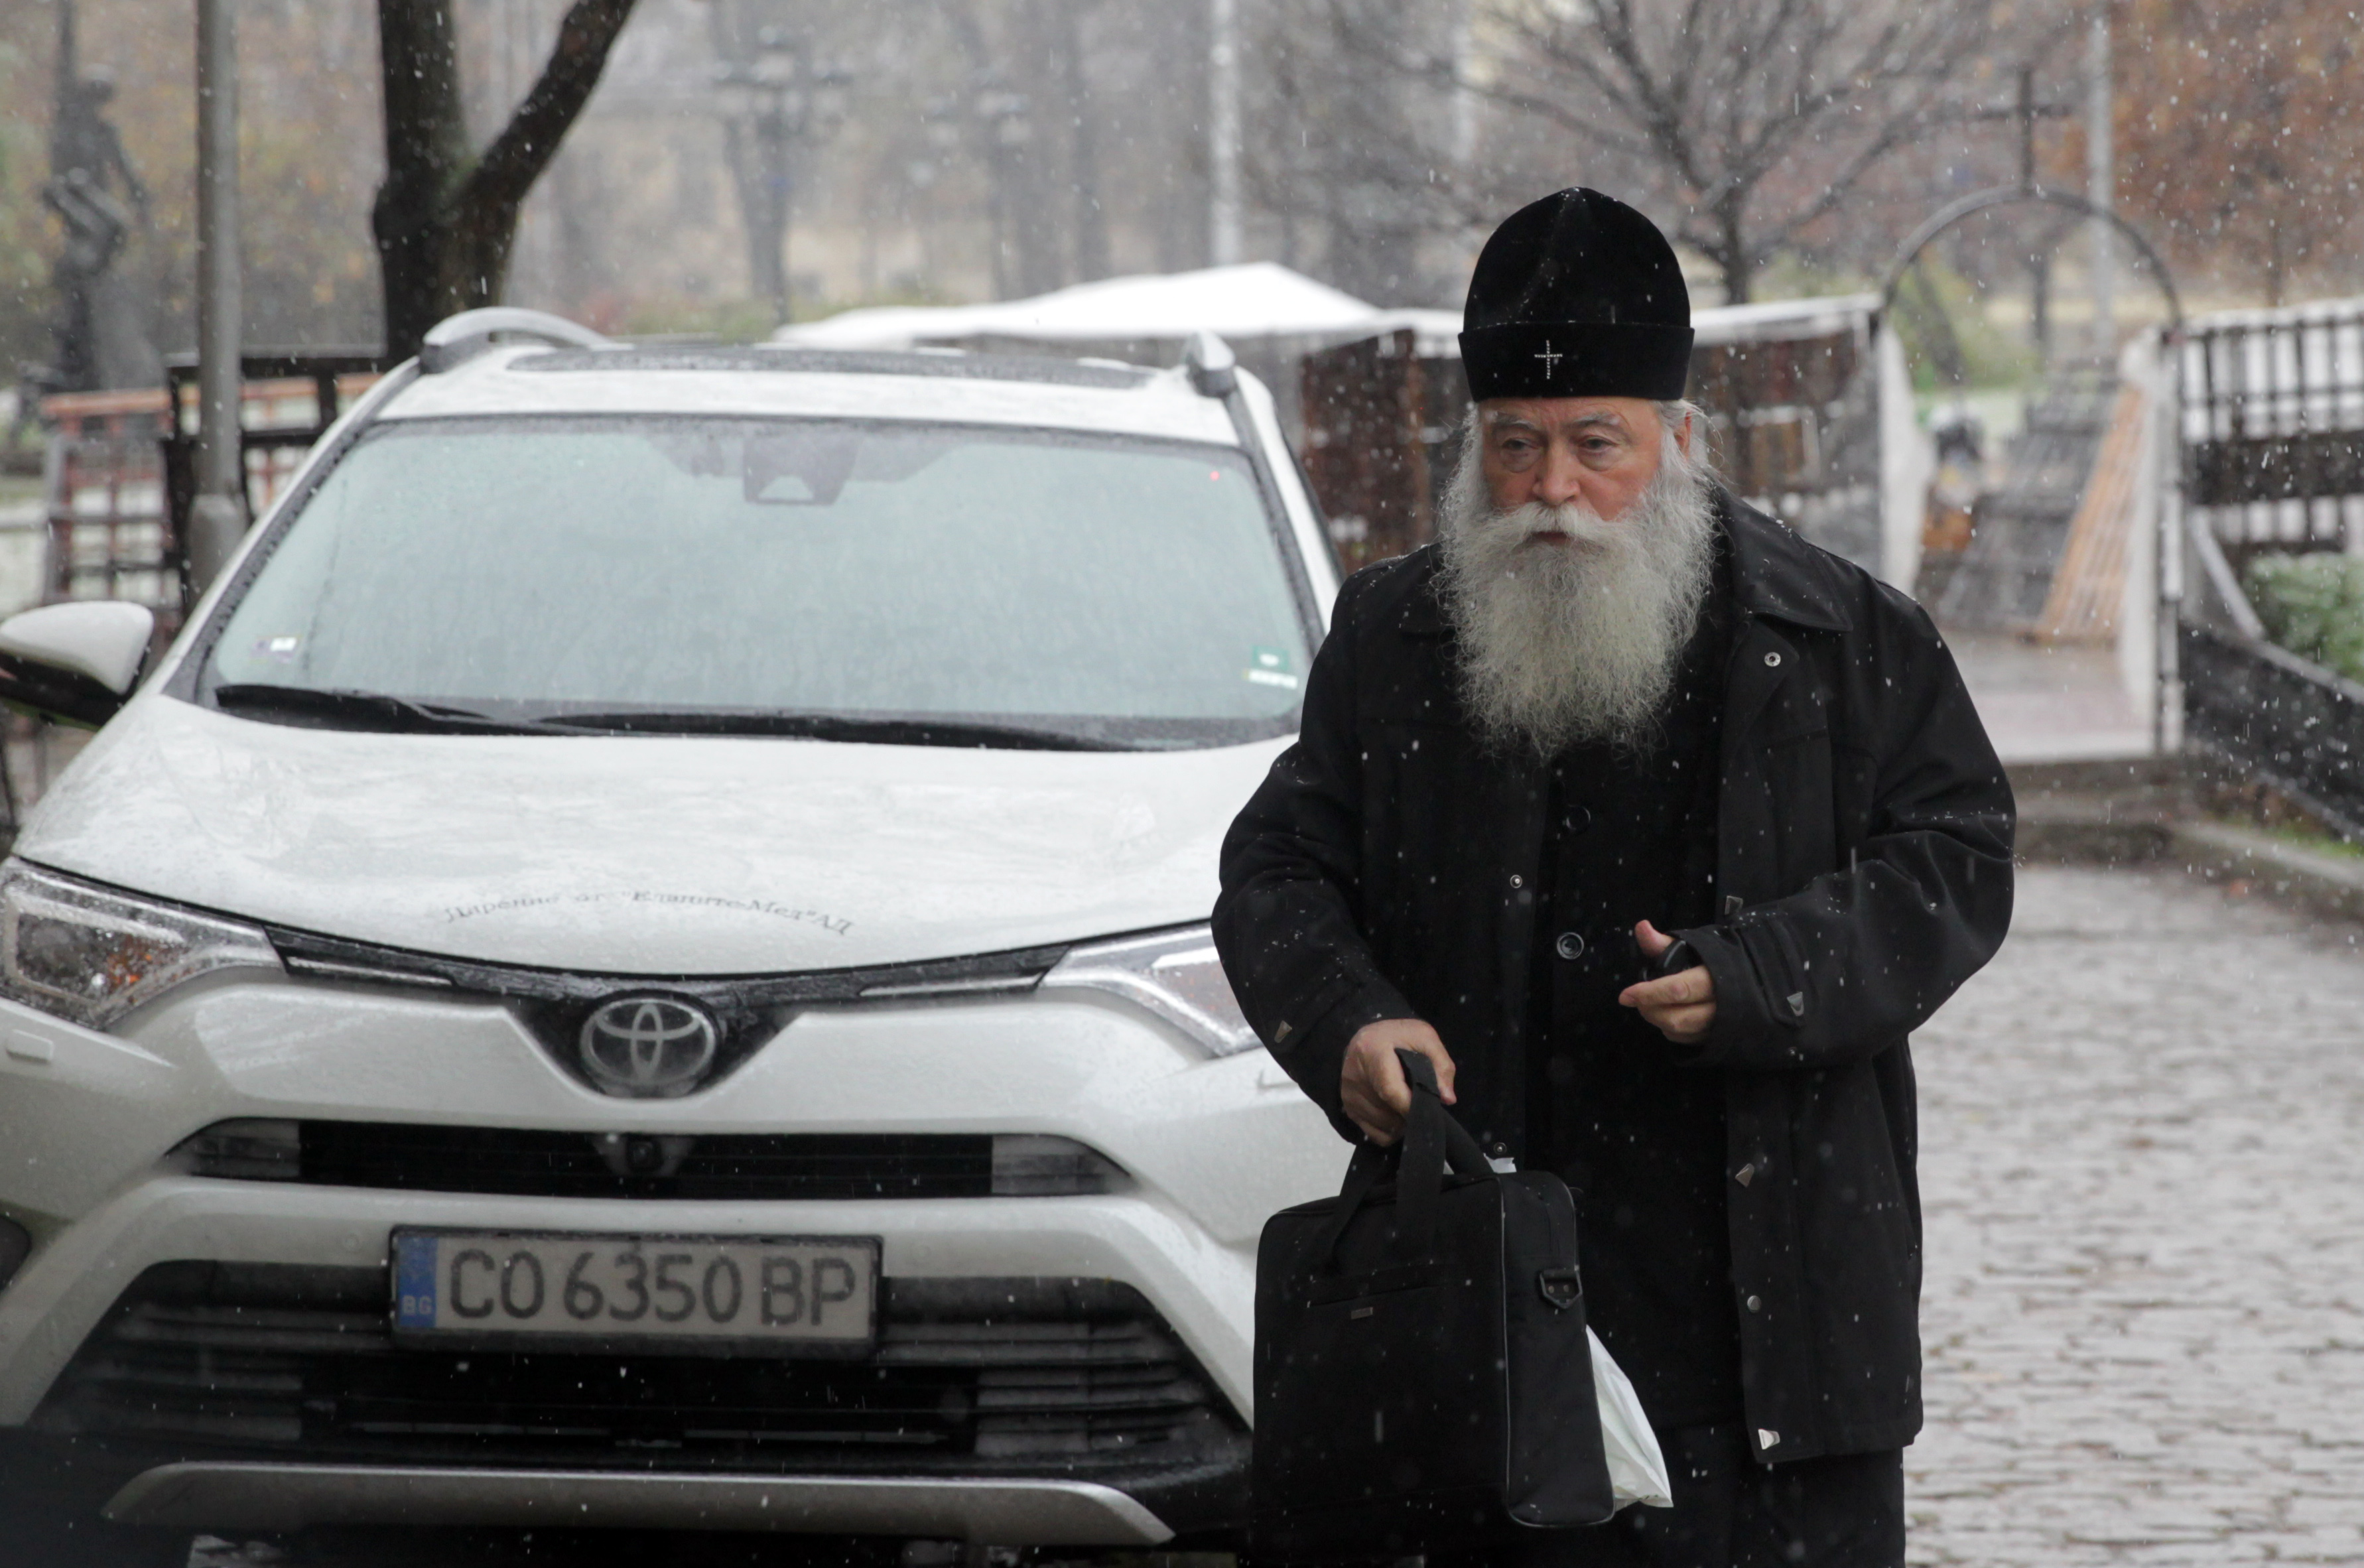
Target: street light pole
{"x": 218, "y": 517}
{"x": 771, "y": 158}
{"x": 1223, "y": 134}
{"x": 776, "y": 99}
{"x": 2100, "y": 178}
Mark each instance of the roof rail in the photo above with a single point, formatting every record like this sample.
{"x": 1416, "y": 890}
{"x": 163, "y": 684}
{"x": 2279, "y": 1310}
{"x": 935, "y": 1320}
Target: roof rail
{"x": 456, "y": 339}
{"x": 1215, "y": 369}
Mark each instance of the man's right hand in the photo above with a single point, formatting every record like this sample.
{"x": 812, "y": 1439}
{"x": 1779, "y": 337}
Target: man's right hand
{"x": 1372, "y": 1088}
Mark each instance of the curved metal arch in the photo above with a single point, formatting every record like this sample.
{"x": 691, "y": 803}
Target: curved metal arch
{"x": 2007, "y": 196}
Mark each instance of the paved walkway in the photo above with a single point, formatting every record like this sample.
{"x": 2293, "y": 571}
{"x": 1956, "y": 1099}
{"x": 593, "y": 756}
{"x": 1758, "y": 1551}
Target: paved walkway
{"x": 2143, "y": 1170}
{"x": 2049, "y": 704}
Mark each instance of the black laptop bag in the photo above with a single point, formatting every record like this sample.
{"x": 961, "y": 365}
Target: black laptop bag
{"x": 1423, "y": 1382}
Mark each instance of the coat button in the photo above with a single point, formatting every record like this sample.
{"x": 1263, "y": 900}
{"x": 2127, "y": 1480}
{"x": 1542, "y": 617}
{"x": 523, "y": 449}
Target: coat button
{"x": 1518, "y": 881}
{"x": 1757, "y": 1304}
{"x": 1570, "y": 945}
{"x": 1772, "y": 661}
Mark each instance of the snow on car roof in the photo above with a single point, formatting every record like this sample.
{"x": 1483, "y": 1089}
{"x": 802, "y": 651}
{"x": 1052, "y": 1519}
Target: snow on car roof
{"x": 1066, "y": 395}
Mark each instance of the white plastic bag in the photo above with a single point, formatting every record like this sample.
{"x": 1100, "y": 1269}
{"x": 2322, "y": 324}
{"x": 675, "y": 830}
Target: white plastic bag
{"x": 1637, "y": 1470}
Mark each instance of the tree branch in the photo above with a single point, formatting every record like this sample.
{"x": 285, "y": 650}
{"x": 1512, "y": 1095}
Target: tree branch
{"x": 517, "y": 156}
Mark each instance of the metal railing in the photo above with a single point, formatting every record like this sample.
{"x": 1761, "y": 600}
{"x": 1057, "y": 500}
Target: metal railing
{"x": 2273, "y": 428}
{"x": 290, "y": 398}
{"x": 2279, "y": 718}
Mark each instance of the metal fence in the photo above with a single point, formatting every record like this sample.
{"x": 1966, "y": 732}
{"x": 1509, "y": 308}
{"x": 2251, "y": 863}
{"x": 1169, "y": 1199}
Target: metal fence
{"x": 2273, "y": 429}
{"x": 2279, "y": 720}
{"x": 122, "y": 467}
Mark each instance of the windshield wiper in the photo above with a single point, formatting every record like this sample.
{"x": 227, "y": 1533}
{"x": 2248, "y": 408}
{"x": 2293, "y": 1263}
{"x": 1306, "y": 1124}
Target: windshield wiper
{"x": 363, "y": 710}
{"x": 874, "y": 729}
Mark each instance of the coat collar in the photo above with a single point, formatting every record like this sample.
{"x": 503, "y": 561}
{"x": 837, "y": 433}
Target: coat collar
{"x": 1775, "y": 575}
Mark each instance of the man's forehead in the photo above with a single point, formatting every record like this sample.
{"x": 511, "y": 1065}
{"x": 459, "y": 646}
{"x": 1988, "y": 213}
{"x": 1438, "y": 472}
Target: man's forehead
{"x": 1549, "y": 414}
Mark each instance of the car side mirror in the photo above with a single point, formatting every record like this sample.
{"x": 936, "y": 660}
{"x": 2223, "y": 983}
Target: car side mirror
{"x": 73, "y": 663}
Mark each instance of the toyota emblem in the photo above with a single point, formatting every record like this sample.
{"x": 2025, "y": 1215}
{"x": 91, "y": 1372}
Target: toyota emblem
{"x": 648, "y": 1048}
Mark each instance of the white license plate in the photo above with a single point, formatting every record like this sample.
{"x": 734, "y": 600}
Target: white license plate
{"x": 786, "y": 1295}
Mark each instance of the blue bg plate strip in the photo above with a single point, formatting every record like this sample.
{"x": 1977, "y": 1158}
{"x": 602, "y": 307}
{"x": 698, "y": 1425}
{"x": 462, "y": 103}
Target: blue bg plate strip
{"x": 414, "y": 1279}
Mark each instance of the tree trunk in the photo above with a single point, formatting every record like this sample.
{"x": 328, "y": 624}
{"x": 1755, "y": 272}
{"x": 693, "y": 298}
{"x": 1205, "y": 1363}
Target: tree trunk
{"x": 446, "y": 217}
{"x": 1732, "y": 258}
{"x": 425, "y": 152}
{"x": 1039, "y": 241}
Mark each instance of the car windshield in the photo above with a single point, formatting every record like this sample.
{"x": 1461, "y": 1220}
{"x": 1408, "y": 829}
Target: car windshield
{"x": 902, "y": 582}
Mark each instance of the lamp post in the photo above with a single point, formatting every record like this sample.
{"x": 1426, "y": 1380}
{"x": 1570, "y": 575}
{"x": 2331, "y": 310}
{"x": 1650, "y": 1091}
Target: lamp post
{"x": 775, "y": 101}
{"x": 218, "y": 517}
{"x": 1223, "y": 134}
{"x": 2100, "y": 179}
{"x": 990, "y": 117}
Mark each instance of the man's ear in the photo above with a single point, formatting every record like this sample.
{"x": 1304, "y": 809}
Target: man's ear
{"x": 1683, "y": 436}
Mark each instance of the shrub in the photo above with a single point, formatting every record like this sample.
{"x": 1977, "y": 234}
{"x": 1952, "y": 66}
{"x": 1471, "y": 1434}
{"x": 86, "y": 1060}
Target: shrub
{"x": 2313, "y": 606}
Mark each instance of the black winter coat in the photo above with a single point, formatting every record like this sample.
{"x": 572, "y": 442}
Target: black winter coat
{"x": 1386, "y": 869}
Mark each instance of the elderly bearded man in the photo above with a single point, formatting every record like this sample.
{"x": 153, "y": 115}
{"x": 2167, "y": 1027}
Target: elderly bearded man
{"x": 1614, "y": 709}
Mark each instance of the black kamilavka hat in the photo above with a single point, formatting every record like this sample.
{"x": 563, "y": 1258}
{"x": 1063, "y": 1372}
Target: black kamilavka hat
{"x": 1577, "y": 295}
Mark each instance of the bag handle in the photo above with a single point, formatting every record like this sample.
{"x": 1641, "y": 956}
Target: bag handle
{"x": 1461, "y": 1150}
{"x": 1434, "y": 1137}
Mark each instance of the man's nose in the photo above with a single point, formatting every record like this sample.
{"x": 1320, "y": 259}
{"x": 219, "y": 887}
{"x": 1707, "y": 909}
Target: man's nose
{"x": 1561, "y": 479}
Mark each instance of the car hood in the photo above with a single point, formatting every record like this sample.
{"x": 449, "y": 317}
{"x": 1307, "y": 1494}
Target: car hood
{"x": 644, "y": 855}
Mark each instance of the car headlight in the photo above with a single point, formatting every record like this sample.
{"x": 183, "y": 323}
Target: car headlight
{"x": 1173, "y": 974}
{"x": 90, "y": 954}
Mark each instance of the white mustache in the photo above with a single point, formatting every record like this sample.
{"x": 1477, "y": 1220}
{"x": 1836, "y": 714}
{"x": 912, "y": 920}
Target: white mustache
{"x": 1573, "y": 521}
{"x": 1579, "y": 640}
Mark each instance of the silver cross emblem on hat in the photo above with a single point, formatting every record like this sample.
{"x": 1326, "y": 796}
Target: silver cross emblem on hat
{"x": 1551, "y": 361}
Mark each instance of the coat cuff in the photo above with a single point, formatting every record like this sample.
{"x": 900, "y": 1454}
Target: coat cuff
{"x": 1741, "y": 1014}
{"x": 1314, "y": 1053}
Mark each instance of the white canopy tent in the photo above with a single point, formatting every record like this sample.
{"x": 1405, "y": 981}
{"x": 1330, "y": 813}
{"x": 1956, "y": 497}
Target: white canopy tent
{"x": 1255, "y": 299}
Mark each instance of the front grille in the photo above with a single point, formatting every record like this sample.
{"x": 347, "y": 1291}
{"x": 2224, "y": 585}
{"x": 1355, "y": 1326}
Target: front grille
{"x": 748, "y": 1009}
{"x": 973, "y": 1375}
{"x": 752, "y": 1166}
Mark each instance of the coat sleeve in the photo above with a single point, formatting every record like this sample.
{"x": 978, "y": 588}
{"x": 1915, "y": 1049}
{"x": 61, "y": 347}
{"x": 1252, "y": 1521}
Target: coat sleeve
{"x": 1861, "y": 956}
{"x": 1286, "y": 922}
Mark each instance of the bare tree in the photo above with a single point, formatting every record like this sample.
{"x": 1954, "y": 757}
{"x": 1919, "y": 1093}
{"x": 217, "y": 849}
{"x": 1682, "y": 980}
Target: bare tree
{"x": 2240, "y": 133}
{"x": 1031, "y": 118}
{"x": 446, "y": 216}
{"x": 1355, "y": 166}
{"x": 1752, "y": 120}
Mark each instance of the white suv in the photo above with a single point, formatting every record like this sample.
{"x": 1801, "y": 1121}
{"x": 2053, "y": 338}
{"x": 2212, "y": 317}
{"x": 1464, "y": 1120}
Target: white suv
{"x": 641, "y": 962}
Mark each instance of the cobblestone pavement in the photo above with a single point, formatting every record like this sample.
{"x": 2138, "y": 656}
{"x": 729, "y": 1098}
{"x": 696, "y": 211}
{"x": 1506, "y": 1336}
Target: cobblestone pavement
{"x": 2143, "y": 1172}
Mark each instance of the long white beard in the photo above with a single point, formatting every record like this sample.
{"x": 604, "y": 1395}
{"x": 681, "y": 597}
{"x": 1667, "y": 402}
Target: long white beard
{"x": 1580, "y": 641}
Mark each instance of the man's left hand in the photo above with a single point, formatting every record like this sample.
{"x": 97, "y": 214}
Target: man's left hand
{"x": 1681, "y": 1006}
